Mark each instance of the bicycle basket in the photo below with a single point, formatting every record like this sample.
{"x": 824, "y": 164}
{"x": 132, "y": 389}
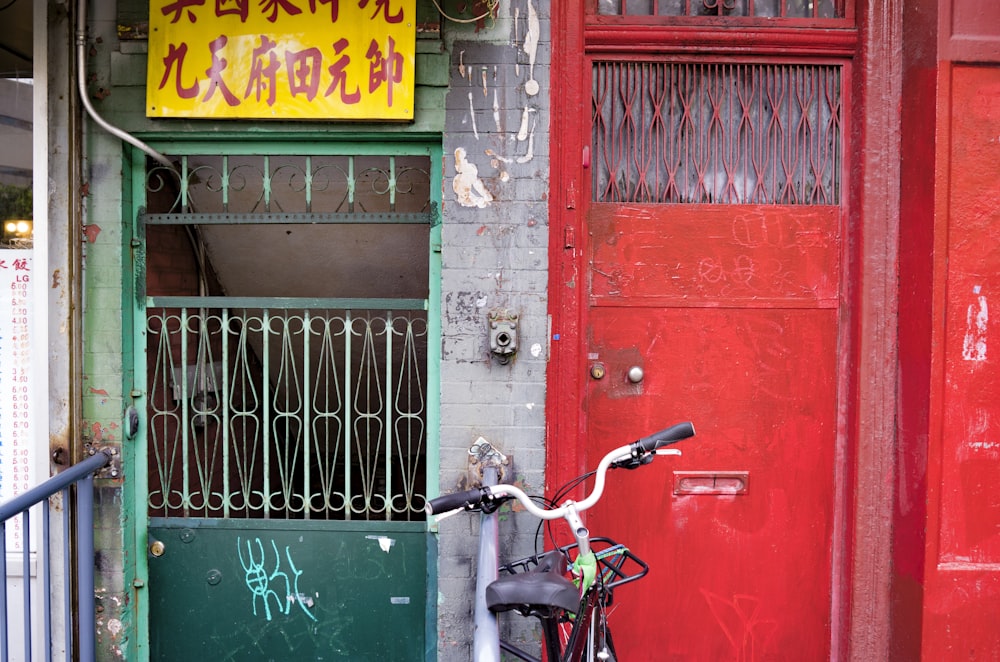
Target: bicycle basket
{"x": 617, "y": 563}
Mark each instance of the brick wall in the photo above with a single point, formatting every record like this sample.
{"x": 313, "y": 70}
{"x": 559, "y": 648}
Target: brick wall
{"x": 494, "y": 257}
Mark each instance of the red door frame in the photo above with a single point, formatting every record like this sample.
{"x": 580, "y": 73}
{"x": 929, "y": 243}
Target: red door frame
{"x": 862, "y": 625}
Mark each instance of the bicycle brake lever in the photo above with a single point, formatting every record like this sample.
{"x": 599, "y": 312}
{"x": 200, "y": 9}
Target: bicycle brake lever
{"x": 668, "y": 451}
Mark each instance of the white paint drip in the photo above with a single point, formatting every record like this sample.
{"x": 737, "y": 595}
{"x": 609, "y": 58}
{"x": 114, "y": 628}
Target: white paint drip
{"x": 472, "y": 114}
{"x": 530, "y": 154}
{"x": 517, "y": 19}
{"x": 522, "y": 132}
{"x": 977, "y": 318}
{"x": 531, "y": 48}
{"x": 497, "y": 157}
{"x": 496, "y": 111}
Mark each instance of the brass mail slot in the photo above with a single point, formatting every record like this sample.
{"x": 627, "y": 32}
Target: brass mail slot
{"x": 711, "y": 482}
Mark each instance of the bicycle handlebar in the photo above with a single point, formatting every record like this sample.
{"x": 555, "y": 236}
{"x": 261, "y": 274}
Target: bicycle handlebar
{"x": 469, "y": 500}
{"x": 628, "y": 456}
{"x": 671, "y": 435}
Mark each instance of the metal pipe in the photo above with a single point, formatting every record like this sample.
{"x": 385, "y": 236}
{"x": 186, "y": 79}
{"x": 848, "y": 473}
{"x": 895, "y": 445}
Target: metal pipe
{"x": 26, "y": 587}
{"x": 85, "y": 569}
{"x": 81, "y": 43}
{"x": 486, "y": 638}
{"x": 4, "y": 653}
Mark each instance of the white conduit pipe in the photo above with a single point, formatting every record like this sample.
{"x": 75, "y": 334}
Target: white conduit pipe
{"x": 81, "y": 43}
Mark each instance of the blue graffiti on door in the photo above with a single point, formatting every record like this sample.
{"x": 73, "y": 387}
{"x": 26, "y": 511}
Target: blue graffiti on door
{"x": 266, "y": 586}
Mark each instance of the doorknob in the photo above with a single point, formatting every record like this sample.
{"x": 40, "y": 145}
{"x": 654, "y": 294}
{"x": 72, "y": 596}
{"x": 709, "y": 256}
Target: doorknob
{"x": 635, "y": 374}
{"x": 157, "y": 548}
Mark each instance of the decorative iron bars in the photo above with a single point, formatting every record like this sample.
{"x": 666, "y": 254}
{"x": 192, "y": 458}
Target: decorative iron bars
{"x": 717, "y": 133}
{"x": 292, "y": 410}
{"x": 232, "y": 184}
{"x": 729, "y": 8}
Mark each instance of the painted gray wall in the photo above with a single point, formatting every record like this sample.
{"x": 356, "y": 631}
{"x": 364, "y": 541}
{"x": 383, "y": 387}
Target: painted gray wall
{"x": 494, "y": 256}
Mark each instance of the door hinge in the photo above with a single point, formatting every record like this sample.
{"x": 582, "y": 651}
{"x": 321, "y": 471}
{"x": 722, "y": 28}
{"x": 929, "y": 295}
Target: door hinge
{"x": 571, "y": 195}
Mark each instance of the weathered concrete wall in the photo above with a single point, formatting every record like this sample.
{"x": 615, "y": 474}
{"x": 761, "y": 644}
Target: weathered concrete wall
{"x": 494, "y": 256}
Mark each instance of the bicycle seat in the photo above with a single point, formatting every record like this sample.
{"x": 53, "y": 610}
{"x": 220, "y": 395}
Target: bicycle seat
{"x": 540, "y": 587}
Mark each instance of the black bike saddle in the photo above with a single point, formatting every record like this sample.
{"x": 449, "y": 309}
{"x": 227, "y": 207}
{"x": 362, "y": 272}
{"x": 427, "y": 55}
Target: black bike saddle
{"x": 538, "y": 589}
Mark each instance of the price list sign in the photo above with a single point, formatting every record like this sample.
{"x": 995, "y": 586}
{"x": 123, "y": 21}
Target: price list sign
{"x": 15, "y": 385}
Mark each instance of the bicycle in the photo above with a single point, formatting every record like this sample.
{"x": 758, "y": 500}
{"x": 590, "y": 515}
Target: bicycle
{"x": 573, "y": 610}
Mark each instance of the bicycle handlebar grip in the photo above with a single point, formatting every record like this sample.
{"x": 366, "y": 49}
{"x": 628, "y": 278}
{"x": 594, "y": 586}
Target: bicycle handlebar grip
{"x": 468, "y": 499}
{"x": 671, "y": 435}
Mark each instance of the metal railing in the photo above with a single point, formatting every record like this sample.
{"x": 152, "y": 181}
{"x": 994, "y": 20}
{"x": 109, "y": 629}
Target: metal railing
{"x": 82, "y": 475}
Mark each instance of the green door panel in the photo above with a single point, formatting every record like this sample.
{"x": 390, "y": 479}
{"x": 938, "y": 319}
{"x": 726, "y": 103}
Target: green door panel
{"x": 282, "y": 590}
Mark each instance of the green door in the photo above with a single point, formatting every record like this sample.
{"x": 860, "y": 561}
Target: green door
{"x": 281, "y": 590}
{"x": 285, "y": 335}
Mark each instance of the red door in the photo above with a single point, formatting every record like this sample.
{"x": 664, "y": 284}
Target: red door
{"x": 962, "y": 602}
{"x": 712, "y": 257}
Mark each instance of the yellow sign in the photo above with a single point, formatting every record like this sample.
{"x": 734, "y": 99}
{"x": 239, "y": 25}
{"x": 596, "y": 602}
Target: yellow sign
{"x": 281, "y": 59}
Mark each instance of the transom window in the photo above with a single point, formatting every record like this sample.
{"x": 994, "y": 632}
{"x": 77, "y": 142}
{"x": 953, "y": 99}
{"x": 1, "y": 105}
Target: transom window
{"x": 803, "y": 9}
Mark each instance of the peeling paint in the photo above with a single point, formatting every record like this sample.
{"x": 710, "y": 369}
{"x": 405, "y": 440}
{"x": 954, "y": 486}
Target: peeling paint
{"x": 977, "y": 318}
{"x": 92, "y": 231}
{"x": 469, "y": 188}
{"x": 114, "y": 626}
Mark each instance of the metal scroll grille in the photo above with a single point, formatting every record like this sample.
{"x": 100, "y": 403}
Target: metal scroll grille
{"x": 283, "y": 183}
{"x": 286, "y": 412}
{"x": 668, "y": 132}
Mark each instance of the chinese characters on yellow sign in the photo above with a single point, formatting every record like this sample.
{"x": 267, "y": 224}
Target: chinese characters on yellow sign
{"x": 281, "y": 59}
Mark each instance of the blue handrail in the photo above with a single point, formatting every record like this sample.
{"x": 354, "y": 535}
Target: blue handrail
{"x": 81, "y": 474}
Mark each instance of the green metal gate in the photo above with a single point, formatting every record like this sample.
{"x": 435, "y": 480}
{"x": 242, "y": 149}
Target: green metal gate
{"x": 286, "y": 336}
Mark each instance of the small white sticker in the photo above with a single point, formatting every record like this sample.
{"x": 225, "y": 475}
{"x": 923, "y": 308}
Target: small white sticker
{"x": 385, "y": 543}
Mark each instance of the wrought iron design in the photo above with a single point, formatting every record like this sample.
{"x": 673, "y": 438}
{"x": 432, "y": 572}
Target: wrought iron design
{"x": 689, "y": 132}
{"x": 809, "y": 9}
{"x": 307, "y": 411}
{"x": 213, "y": 184}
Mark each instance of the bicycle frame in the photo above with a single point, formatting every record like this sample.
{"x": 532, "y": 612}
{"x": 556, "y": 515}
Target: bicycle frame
{"x": 558, "y": 600}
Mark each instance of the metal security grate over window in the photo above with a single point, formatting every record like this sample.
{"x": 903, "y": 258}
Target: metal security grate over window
{"x": 668, "y": 132}
{"x": 286, "y": 336}
{"x": 728, "y": 8}
{"x": 289, "y": 413}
